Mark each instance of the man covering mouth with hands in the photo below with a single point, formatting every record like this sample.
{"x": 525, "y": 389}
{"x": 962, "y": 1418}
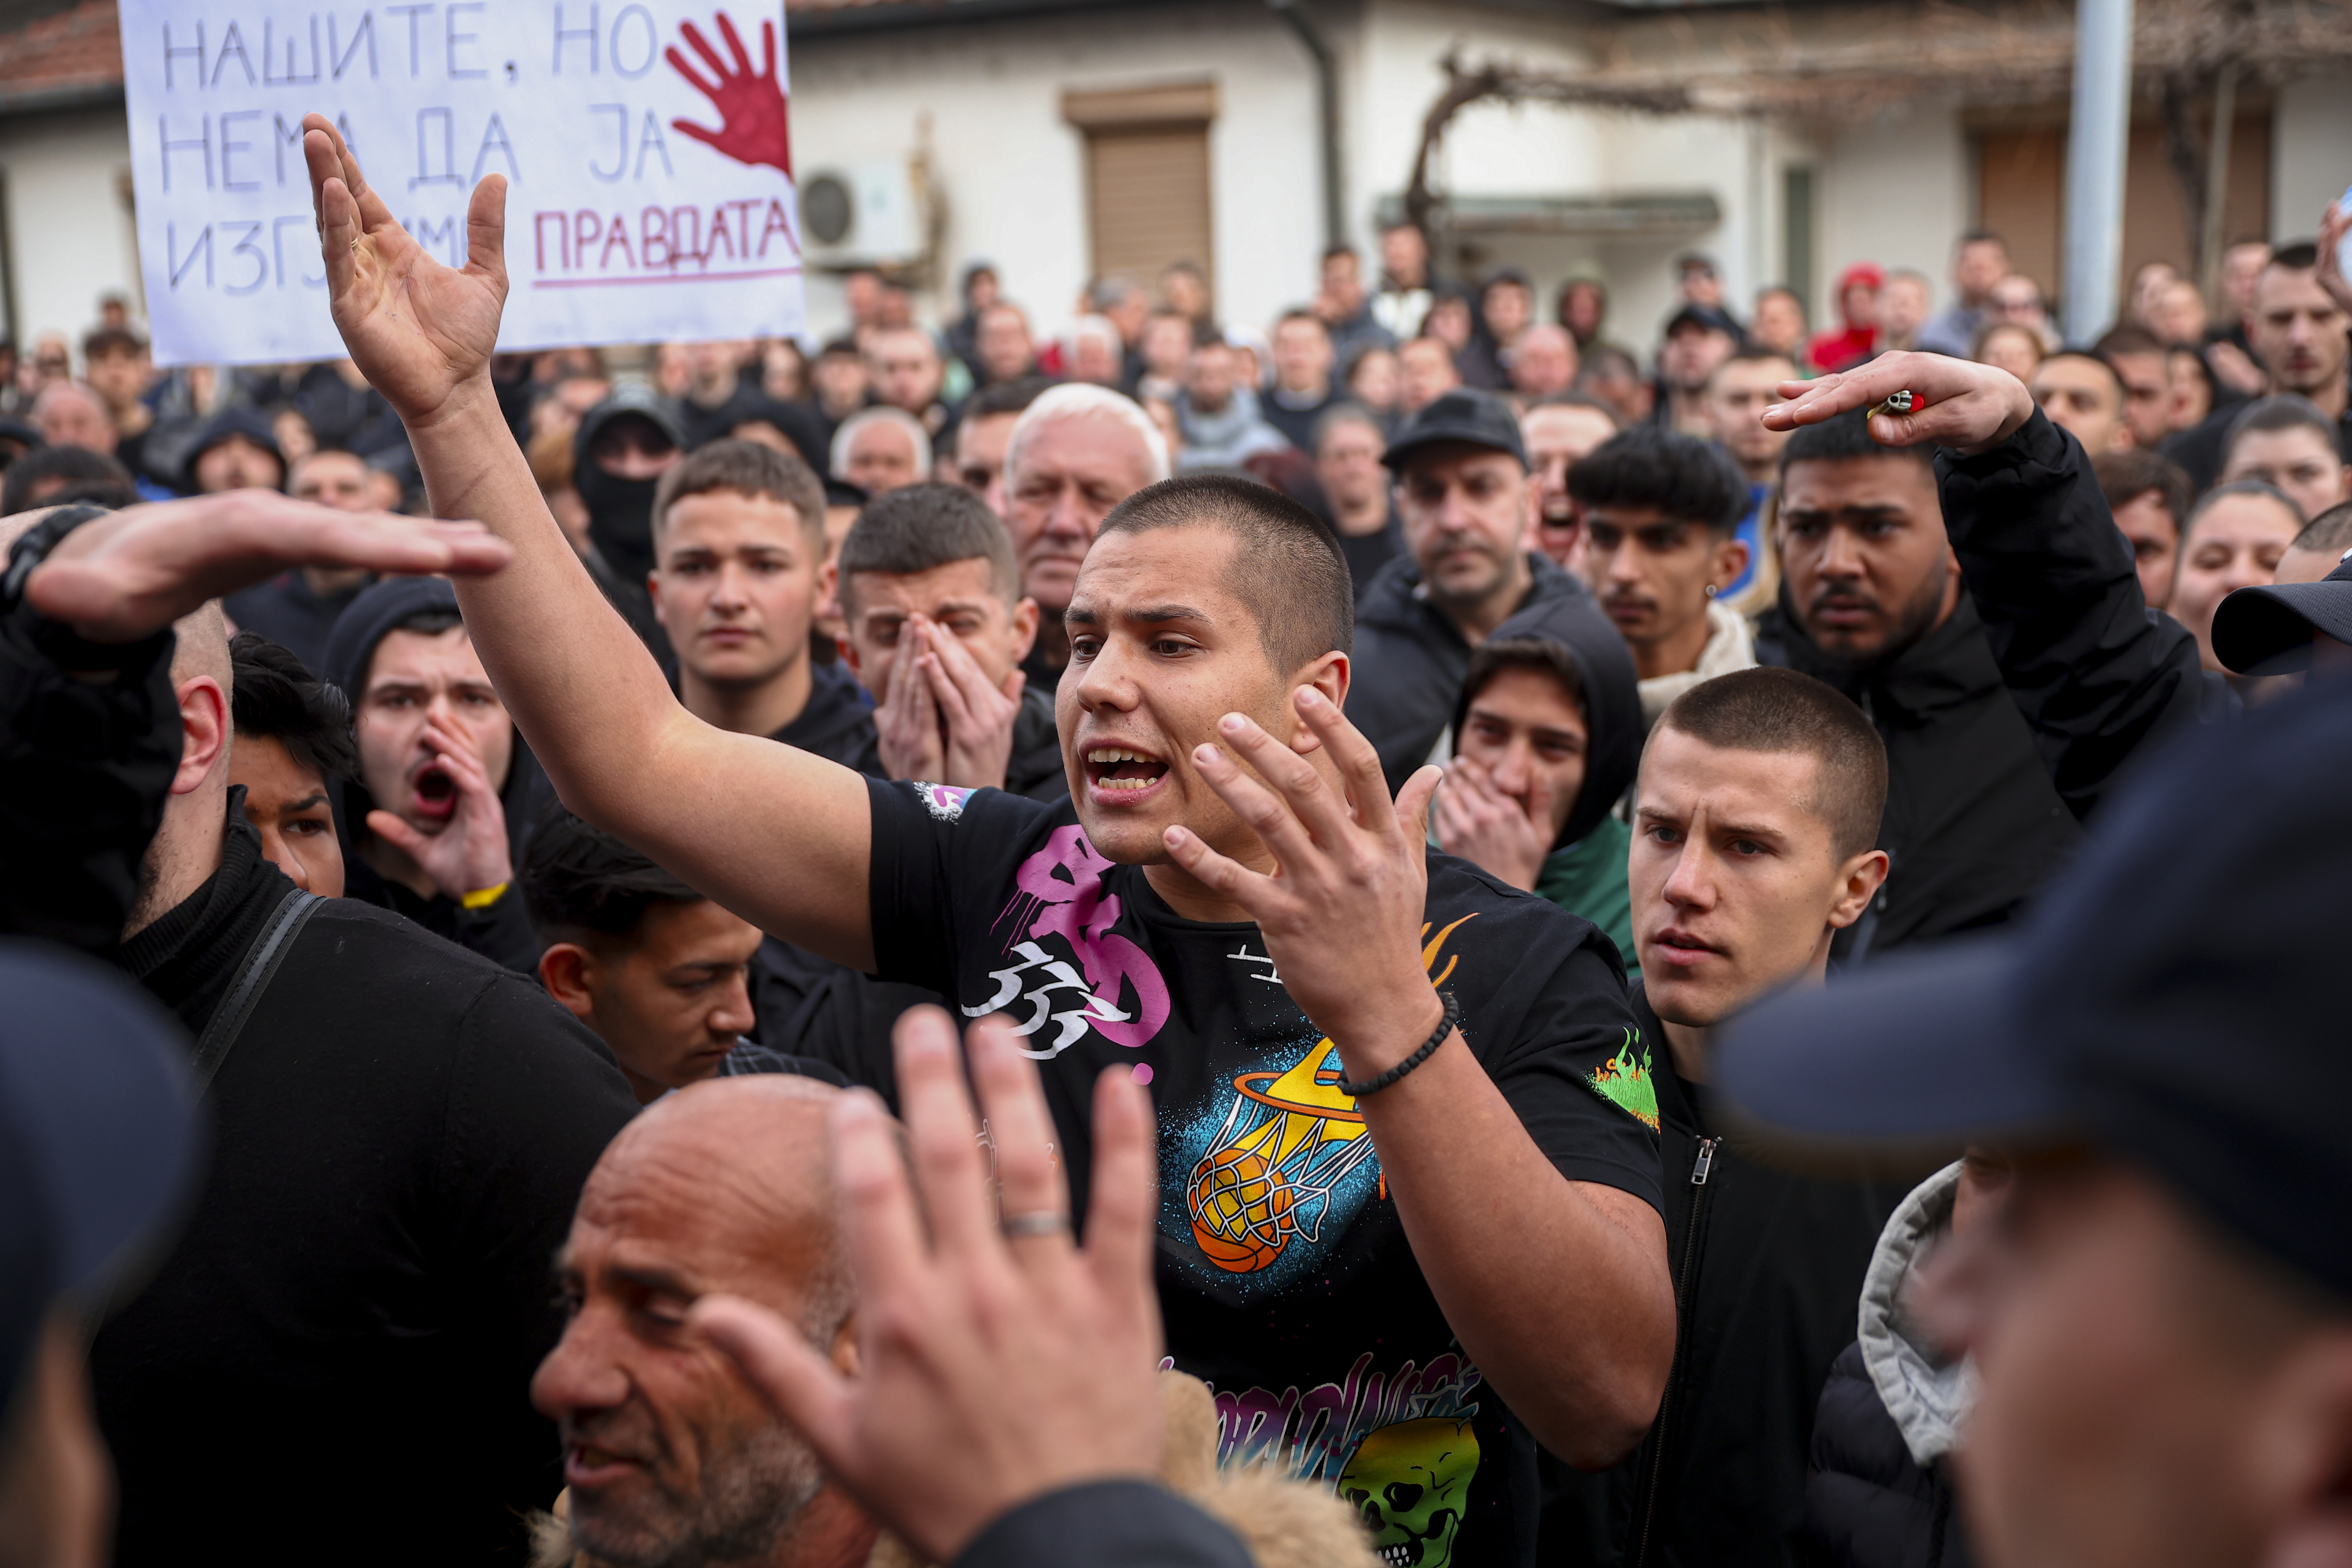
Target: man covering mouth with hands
{"x": 1231, "y": 908}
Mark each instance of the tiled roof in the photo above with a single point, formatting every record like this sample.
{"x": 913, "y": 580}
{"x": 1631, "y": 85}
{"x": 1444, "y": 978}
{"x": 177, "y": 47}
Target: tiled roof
{"x": 74, "y": 51}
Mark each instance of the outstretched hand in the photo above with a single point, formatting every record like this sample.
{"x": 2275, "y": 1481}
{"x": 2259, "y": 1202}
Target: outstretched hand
{"x": 1343, "y": 909}
{"x": 417, "y": 329}
{"x": 120, "y": 578}
{"x": 992, "y": 1368}
{"x": 1963, "y": 405}
{"x": 755, "y": 128}
{"x": 2334, "y": 225}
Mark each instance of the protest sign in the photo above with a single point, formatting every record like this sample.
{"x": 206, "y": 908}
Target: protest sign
{"x": 643, "y": 144}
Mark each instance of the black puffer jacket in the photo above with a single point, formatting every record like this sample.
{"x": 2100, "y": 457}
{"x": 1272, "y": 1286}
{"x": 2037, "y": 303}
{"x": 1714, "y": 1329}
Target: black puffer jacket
{"x": 2006, "y": 725}
{"x": 1409, "y": 660}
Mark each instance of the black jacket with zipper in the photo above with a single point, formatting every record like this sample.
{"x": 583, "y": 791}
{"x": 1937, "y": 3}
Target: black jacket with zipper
{"x": 2006, "y": 725}
{"x": 1766, "y": 1268}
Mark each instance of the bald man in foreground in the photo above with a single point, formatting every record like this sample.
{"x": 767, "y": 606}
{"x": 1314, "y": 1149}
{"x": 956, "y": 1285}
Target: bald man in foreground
{"x": 670, "y": 1456}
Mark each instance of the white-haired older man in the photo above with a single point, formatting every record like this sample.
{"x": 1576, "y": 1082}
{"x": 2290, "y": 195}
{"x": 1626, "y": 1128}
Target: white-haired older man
{"x": 1078, "y": 451}
{"x": 881, "y": 449}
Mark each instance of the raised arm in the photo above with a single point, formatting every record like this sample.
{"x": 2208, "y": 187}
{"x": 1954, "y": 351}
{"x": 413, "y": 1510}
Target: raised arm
{"x": 776, "y": 834}
{"x": 2094, "y": 673}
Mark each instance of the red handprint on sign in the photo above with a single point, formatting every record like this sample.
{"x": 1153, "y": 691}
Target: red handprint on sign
{"x": 750, "y": 105}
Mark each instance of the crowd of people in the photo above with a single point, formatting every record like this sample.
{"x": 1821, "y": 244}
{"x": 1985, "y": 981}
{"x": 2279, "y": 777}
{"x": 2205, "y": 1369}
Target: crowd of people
{"x": 1479, "y": 874}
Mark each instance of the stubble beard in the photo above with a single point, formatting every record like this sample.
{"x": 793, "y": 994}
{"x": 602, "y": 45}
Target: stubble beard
{"x": 749, "y": 1506}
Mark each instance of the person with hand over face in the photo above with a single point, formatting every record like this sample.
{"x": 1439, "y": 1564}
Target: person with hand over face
{"x": 938, "y": 628}
{"x": 1483, "y": 1201}
{"x": 446, "y": 788}
{"x": 317, "y": 1304}
{"x": 1955, "y": 571}
{"x": 1546, "y": 737}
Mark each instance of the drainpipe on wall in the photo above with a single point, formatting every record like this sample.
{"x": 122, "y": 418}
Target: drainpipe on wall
{"x": 1327, "y": 96}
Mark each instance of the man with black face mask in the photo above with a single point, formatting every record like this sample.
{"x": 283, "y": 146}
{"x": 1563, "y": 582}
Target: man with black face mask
{"x": 622, "y": 447}
{"x": 1955, "y": 572}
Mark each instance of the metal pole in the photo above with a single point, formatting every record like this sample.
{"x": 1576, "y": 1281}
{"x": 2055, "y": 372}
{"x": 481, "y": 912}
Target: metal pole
{"x": 1326, "y": 103}
{"x": 2216, "y": 185}
{"x": 2096, "y": 151}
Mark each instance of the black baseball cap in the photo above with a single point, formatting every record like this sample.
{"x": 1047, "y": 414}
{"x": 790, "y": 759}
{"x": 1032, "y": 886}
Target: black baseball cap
{"x": 2267, "y": 630}
{"x": 1708, "y": 317}
{"x": 2174, "y": 1000}
{"x": 1465, "y": 415}
{"x": 97, "y": 1134}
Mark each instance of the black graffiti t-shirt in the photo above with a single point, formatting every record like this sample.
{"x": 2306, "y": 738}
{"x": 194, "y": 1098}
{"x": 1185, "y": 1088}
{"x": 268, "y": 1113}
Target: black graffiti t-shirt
{"x": 1286, "y": 1280}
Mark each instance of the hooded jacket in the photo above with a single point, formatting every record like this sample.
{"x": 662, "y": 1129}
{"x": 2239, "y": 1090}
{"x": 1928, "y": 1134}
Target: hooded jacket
{"x": 501, "y": 932}
{"x": 621, "y": 512}
{"x": 2006, "y": 725}
{"x": 1585, "y": 871}
{"x": 1880, "y": 1495}
{"x": 400, "y": 1133}
{"x": 236, "y": 419}
{"x": 1409, "y": 660}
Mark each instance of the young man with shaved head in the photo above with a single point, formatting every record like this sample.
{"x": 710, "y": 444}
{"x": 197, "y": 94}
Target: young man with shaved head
{"x": 1439, "y": 1075}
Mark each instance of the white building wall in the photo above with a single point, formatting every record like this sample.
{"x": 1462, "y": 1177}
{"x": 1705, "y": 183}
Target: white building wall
{"x": 69, "y": 234}
{"x": 1012, "y": 173}
{"x": 1897, "y": 192}
{"x": 2311, "y": 153}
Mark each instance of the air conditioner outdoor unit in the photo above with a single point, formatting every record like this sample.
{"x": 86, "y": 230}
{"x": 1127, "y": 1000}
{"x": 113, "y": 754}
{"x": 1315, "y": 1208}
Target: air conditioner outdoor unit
{"x": 854, "y": 213}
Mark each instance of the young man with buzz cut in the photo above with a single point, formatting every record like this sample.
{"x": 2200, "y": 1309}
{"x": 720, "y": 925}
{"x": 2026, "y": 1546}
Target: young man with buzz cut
{"x": 1440, "y": 1076}
{"x": 738, "y": 554}
{"x": 938, "y": 628}
{"x": 1754, "y": 818}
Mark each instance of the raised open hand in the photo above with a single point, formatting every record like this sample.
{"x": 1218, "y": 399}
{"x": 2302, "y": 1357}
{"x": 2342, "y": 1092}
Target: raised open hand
{"x": 2334, "y": 225}
{"x": 1963, "y": 405}
{"x": 1342, "y": 910}
{"x": 418, "y": 329}
{"x": 991, "y": 1367}
{"x": 754, "y": 127}
{"x": 119, "y": 578}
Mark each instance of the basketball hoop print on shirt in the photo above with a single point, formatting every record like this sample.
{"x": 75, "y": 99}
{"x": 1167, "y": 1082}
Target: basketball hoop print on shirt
{"x": 1287, "y": 1142}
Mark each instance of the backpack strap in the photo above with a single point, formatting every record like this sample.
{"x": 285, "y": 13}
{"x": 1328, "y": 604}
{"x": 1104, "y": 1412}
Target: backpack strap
{"x": 252, "y": 978}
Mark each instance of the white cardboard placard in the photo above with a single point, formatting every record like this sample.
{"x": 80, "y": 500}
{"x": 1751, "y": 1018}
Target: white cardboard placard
{"x": 645, "y": 145}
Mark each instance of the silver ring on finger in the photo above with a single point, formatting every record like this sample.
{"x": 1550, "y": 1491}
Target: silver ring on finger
{"x": 1045, "y": 1222}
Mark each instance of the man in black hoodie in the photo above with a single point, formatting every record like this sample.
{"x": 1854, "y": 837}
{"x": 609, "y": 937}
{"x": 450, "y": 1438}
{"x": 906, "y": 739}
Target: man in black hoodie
{"x": 400, "y": 1130}
{"x": 619, "y": 454}
{"x": 1956, "y": 572}
{"x": 447, "y": 789}
{"x": 1547, "y": 736}
{"x": 1465, "y": 497}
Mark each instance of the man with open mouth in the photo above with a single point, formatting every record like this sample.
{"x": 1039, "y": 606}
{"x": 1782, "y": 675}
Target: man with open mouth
{"x": 442, "y": 773}
{"x": 1409, "y": 1220}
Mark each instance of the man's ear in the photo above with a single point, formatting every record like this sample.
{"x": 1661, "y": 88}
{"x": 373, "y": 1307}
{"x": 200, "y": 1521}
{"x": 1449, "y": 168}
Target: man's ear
{"x": 569, "y": 972}
{"x": 2304, "y": 1439}
{"x": 204, "y": 733}
{"x": 1025, "y": 627}
{"x": 1858, "y": 882}
{"x": 1730, "y": 560}
{"x": 1328, "y": 675}
{"x": 653, "y": 590}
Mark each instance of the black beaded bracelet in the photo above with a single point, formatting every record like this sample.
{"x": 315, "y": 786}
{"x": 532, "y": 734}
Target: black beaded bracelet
{"x": 1445, "y": 1027}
